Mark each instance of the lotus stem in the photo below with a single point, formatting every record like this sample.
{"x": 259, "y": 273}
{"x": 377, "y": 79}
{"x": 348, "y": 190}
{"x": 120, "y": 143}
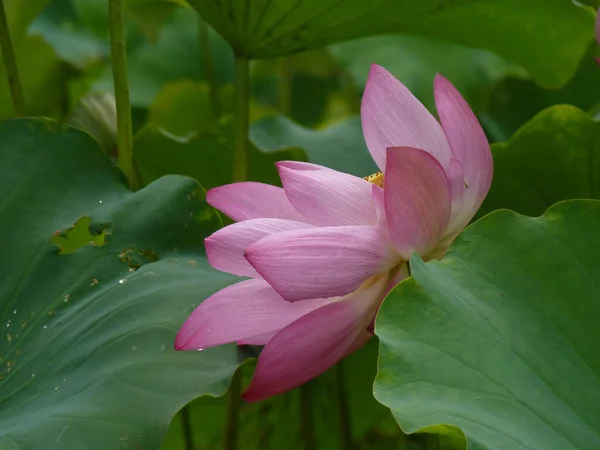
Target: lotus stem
{"x": 10, "y": 63}
{"x": 234, "y": 403}
{"x": 121, "y": 86}
{"x": 186, "y": 423}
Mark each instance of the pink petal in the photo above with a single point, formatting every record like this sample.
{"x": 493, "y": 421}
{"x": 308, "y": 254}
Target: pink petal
{"x": 469, "y": 146}
{"x": 312, "y": 344}
{"x": 240, "y": 311}
{"x": 456, "y": 179}
{"x": 250, "y": 200}
{"x": 328, "y": 197}
{"x": 321, "y": 262}
{"x": 461, "y": 208}
{"x": 393, "y": 117}
{"x": 225, "y": 248}
{"x": 417, "y": 200}
{"x": 301, "y": 165}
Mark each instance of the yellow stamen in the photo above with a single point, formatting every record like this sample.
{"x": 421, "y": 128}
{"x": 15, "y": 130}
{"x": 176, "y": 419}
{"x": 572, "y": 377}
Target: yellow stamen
{"x": 377, "y": 178}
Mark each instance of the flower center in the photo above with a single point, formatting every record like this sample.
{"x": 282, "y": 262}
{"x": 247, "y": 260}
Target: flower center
{"x": 377, "y": 178}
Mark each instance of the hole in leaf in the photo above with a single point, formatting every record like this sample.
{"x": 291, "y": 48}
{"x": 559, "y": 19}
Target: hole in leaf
{"x": 78, "y": 235}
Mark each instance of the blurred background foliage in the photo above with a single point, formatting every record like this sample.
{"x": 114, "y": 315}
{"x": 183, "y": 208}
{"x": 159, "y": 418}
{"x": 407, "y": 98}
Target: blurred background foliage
{"x": 174, "y": 59}
{"x": 304, "y": 106}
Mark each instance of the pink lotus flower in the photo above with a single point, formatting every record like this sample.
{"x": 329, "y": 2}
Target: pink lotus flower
{"x": 322, "y": 252}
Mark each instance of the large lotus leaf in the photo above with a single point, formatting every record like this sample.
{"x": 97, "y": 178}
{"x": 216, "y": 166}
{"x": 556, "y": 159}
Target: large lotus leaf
{"x": 553, "y": 157}
{"x": 500, "y": 338}
{"x": 87, "y": 358}
{"x": 530, "y": 33}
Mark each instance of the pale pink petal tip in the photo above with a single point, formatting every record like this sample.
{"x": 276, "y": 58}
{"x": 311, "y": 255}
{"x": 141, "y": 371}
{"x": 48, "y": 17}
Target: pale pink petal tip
{"x": 247, "y": 311}
{"x": 299, "y": 165}
{"x": 393, "y": 117}
{"x": 251, "y": 200}
{"x": 470, "y": 149}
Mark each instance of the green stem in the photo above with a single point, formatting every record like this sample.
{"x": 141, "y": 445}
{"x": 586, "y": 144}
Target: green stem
{"x": 121, "y": 86}
{"x": 186, "y": 420}
{"x": 10, "y": 63}
{"x": 240, "y": 118}
{"x": 344, "y": 409}
{"x": 234, "y": 403}
{"x": 209, "y": 67}
{"x": 307, "y": 430}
